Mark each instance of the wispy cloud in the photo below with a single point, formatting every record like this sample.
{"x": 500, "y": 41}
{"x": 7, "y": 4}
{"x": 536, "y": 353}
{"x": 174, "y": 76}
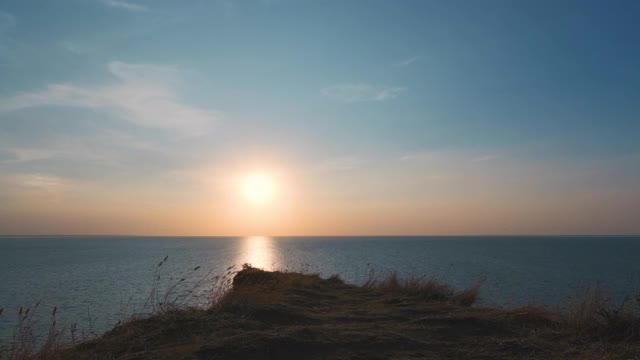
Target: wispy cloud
{"x": 406, "y": 62}
{"x": 33, "y": 186}
{"x": 357, "y": 92}
{"x": 126, "y": 5}
{"x": 142, "y": 94}
{"x": 410, "y": 156}
{"x": 21, "y": 155}
{"x": 74, "y": 47}
{"x": 461, "y": 157}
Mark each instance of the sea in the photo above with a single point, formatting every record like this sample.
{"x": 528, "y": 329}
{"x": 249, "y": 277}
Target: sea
{"x": 96, "y": 281}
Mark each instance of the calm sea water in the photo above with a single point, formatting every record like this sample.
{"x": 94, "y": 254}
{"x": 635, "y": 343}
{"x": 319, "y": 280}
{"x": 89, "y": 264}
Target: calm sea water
{"x": 97, "y": 280}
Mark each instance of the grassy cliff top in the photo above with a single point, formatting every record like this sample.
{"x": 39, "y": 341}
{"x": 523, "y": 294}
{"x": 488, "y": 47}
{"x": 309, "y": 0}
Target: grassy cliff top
{"x": 279, "y": 315}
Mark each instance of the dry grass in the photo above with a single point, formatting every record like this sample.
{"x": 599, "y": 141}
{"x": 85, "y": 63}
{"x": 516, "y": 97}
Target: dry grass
{"x": 167, "y": 296}
{"x": 26, "y": 342}
{"x": 171, "y": 297}
{"x": 426, "y": 288}
{"x": 592, "y": 314}
{"x": 181, "y": 311}
{"x": 255, "y": 286}
{"x": 288, "y": 315}
{"x": 195, "y": 288}
{"x": 470, "y": 295}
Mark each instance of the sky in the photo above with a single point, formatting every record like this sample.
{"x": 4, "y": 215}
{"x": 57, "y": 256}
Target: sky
{"x": 366, "y": 117}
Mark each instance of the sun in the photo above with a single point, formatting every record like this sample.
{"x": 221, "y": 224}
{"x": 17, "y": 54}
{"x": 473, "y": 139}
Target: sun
{"x": 258, "y": 188}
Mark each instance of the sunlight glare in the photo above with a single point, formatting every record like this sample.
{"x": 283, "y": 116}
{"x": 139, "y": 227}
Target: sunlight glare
{"x": 258, "y": 251}
{"x": 258, "y": 188}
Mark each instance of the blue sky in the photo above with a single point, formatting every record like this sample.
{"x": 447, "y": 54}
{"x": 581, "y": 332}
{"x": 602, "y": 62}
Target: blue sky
{"x": 377, "y": 117}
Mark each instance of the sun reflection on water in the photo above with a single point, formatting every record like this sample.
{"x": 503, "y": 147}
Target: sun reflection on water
{"x": 258, "y": 251}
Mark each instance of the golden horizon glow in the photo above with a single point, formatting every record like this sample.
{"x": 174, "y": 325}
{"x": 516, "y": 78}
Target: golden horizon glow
{"x": 308, "y": 198}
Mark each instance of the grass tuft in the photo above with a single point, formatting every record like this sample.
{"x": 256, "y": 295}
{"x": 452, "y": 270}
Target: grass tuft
{"x": 593, "y": 314}
{"x": 421, "y": 287}
{"x": 425, "y": 288}
{"x": 470, "y": 295}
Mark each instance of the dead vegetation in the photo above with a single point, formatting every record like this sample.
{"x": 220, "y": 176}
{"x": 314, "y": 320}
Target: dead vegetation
{"x": 169, "y": 296}
{"x": 288, "y": 315}
{"x": 593, "y": 315}
{"x": 425, "y": 288}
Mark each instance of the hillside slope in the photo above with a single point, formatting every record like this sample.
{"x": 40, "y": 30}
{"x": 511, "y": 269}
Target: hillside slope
{"x": 273, "y": 315}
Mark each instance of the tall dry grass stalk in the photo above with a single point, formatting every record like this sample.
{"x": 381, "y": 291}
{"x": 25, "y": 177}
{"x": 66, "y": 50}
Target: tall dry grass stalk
{"x": 427, "y": 288}
{"x": 26, "y": 342}
{"x": 593, "y": 314}
{"x": 194, "y": 289}
{"x": 197, "y": 288}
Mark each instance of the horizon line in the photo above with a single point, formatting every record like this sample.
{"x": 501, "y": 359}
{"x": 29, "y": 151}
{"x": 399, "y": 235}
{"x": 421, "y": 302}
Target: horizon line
{"x": 332, "y": 236}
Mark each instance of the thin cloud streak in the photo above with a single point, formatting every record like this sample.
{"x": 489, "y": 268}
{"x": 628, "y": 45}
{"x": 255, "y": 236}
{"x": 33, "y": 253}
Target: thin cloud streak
{"x": 361, "y": 92}
{"x": 22, "y": 155}
{"x": 24, "y": 187}
{"x": 406, "y": 62}
{"x": 339, "y": 164}
{"x": 125, "y": 5}
{"x": 142, "y": 95}
{"x": 74, "y": 48}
